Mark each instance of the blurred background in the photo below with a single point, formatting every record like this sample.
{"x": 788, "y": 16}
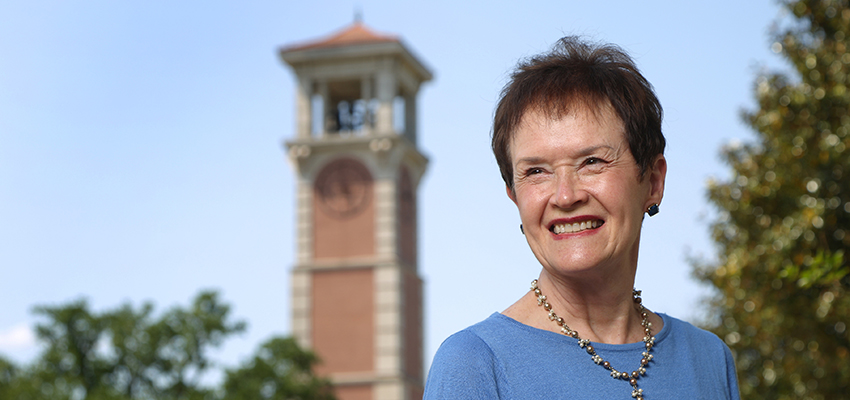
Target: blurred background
{"x": 141, "y": 152}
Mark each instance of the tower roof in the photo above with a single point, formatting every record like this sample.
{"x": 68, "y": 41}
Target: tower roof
{"x": 356, "y": 33}
{"x": 353, "y": 41}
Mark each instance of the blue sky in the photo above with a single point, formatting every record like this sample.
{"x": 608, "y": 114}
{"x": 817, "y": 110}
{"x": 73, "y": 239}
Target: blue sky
{"x": 141, "y": 158}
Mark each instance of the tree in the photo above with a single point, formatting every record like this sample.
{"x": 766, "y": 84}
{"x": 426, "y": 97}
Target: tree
{"x": 71, "y": 362}
{"x": 279, "y": 370}
{"x": 127, "y": 354}
{"x": 21, "y": 384}
{"x": 781, "y": 272}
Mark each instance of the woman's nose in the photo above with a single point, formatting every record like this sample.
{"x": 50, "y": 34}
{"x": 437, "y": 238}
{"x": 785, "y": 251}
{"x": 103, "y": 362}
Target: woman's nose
{"x": 568, "y": 191}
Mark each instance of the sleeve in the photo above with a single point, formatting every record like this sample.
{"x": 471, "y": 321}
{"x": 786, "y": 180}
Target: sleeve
{"x": 732, "y": 375}
{"x": 463, "y": 368}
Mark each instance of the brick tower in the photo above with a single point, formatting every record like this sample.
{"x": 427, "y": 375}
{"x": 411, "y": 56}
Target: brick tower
{"x": 356, "y": 291}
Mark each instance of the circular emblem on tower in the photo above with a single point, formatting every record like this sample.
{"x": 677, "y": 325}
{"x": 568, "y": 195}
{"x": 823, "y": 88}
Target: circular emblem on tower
{"x": 344, "y": 187}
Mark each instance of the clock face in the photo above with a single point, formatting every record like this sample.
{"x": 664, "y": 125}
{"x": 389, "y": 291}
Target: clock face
{"x": 344, "y": 188}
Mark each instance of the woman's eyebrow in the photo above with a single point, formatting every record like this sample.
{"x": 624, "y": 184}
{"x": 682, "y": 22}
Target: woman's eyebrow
{"x": 580, "y": 153}
{"x": 529, "y": 160}
{"x": 593, "y": 149}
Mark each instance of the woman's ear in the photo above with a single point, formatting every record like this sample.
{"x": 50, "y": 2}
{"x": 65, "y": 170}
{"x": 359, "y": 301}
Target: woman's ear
{"x": 511, "y": 194}
{"x": 657, "y": 175}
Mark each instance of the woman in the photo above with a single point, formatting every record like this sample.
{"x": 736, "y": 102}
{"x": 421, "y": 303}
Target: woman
{"x": 577, "y": 136}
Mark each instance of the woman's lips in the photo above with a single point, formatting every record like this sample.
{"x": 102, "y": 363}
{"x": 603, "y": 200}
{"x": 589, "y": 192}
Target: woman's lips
{"x": 575, "y": 227}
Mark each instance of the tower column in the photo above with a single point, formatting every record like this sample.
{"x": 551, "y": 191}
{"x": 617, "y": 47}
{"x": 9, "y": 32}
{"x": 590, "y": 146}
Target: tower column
{"x": 410, "y": 117}
{"x": 368, "y": 118}
{"x": 388, "y": 321}
{"x": 324, "y": 115}
{"x": 387, "y": 89}
{"x": 303, "y": 101}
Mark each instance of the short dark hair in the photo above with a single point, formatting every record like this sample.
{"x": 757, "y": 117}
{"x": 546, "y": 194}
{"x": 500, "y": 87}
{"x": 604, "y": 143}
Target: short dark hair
{"x": 573, "y": 74}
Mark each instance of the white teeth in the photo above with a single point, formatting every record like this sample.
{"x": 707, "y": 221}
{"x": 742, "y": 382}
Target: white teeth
{"x": 576, "y": 227}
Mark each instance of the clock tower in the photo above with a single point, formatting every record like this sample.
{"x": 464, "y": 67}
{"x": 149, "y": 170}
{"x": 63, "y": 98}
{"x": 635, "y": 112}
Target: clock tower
{"x": 356, "y": 291}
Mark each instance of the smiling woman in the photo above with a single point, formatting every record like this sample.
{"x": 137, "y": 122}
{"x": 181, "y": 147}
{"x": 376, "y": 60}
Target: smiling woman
{"x": 577, "y": 171}
{"x": 577, "y": 136}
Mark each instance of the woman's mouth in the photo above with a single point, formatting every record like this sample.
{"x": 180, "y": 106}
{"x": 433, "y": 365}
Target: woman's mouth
{"x": 576, "y": 226}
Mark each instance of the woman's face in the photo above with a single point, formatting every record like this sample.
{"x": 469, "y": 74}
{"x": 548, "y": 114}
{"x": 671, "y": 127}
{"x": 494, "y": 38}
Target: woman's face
{"x": 578, "y": 191}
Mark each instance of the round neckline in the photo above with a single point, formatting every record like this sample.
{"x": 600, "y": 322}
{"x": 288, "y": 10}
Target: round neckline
{"x": 659, "y": 337}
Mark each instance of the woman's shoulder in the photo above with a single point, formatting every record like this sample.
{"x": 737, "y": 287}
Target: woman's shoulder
{"x": 687, "y": 331}
{"x": 701, "y": 344}
{"x": 482, "y": 339}
{"x": 490, "y": 360}
{"x": 466, "y": 364}
{"x": 699, "y": 357}
{"x": 490, "y": 345}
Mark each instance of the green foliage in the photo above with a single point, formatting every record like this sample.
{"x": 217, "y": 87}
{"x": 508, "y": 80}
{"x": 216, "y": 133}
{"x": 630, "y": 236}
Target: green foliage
{"x": 782, "y": 266}
{"x": 72, "y": 336}
{"x": 127, "y": 354}
{"x": 20, "y": 384}
{"x": 279, "y": 370}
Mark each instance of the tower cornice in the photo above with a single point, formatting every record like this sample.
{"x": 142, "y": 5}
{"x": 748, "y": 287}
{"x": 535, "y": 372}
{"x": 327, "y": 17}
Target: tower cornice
{"x": 357, "y": 41}
{"x": 306, "y": 154}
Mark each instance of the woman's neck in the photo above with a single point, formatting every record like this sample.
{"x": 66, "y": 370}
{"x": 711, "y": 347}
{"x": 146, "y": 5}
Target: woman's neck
{"x": 600, "y": 310}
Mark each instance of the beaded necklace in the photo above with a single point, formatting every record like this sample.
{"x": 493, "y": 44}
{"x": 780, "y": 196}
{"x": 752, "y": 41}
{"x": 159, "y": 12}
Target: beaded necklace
{"x": 648, "y": 339}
